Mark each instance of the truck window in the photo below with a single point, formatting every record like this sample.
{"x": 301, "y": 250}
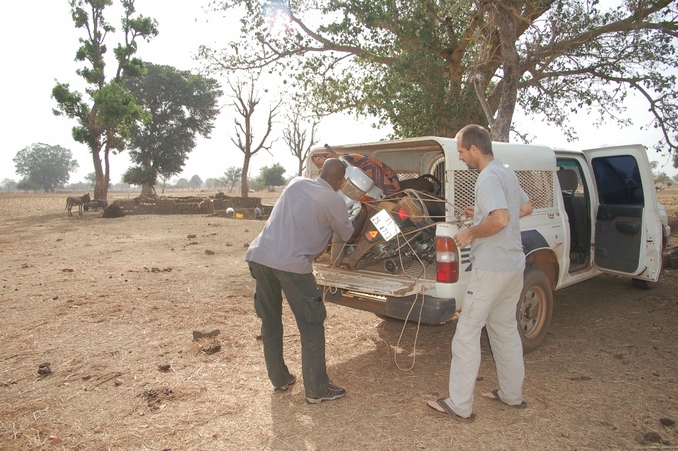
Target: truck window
{"x": 438, "y": 170}
{"x": 618, "y": 180}
{"x": 574, "y": 192}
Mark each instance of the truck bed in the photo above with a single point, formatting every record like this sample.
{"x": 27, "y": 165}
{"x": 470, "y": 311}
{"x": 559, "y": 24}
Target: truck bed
{"x": 375, "y": 279}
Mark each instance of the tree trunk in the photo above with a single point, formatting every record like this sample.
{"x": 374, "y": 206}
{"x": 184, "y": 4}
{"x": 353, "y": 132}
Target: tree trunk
{"x": 506, "y": 25}
{"x": 99, "y": 173}
{"x": 244, "y": 186}
{"x": 147, "y": 189}
{"x": 107, "y": 174}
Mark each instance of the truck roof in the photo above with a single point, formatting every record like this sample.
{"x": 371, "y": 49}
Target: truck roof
{"x": 517, "y": 156}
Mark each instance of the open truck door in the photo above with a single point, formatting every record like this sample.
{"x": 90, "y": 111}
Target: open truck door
{"x": 628, "y": 232}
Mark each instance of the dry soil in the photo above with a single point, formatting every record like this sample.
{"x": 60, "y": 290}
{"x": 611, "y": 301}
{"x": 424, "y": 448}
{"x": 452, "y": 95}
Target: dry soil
{"x": 97, "y": 351}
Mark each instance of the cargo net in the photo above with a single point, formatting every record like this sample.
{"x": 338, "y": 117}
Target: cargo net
{"x": 538, "y": 185}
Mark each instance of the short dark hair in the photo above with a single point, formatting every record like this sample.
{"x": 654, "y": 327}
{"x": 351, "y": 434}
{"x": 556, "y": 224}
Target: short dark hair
{"x": 332, "y": 170}
{"x": 475, "y": 135}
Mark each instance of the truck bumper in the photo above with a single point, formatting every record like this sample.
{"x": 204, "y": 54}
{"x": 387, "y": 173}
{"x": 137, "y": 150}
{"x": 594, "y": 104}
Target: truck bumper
{"x": 434, "y": 311}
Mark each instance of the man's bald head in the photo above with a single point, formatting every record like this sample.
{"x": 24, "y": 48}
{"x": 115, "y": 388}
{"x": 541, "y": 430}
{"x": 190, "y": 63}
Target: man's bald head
{"x": 333, "y": 172}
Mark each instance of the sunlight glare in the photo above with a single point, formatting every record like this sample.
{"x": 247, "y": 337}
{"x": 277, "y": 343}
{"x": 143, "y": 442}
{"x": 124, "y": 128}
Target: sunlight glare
{"x": 279, "y": 21}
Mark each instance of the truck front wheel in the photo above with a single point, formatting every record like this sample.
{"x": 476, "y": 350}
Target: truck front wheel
{"x": 534, "y": 309}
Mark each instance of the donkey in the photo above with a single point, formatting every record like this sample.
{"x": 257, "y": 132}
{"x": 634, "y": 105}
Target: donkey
{"x": 79, "y": 201}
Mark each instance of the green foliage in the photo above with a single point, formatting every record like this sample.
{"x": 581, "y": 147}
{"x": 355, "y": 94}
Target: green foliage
{"x": 106, "y": 114}
{"x": 181, "y": 183}
{"x": 232, "y": 177}
{"x": 273, "y": 176}
{"x": 212, "y": 183}
{"x": 183, "y": 105}
{"x": 26, "y": 185}
{"x": 8, "y": 184}
{"x": 659, "y": 177}
{"x": 47, "y": 166}
{"x": 431, "y": 67}
{"x": 136, "y": 175}
{"x": 257, "y": 184}
{"x": 118, "y": 111}
{"x": 91, "y": 178}
{"x": 195, "y": 182}
{"x": 662, "y": 177}
{"x": 79, "y": 186}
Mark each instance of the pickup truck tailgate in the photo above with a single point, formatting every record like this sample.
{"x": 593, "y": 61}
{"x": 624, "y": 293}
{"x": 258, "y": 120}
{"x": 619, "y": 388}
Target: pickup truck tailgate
{"x": 375, "y": 282}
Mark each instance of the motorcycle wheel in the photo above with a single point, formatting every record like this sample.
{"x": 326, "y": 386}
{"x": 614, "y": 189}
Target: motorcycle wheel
{"x": 366, "y": 254}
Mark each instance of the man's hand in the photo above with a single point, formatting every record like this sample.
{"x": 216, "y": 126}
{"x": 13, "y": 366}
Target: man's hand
{"x": 493, "y": 223}
{"x": 358, "y": 223}
{"x": 354, "y": 210}
{"x": 463, "y": 239}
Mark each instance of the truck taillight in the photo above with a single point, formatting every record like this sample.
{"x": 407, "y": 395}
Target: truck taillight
{"x": 447, "y": 260}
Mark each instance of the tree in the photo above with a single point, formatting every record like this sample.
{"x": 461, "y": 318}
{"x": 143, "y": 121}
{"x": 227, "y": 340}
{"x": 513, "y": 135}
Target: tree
{"x": 429, "y": 68}
{"x": 257, "y": 183}
{"x": 183, "y": 105}
{"x": 195, "y": 182}
{"x": 9, "y": 184}
{"x": 122, "y": 186}
{"x": 78, "y": 186}
{"x": 164, "y": 183}
{"x": 47, "y": 166}
{"x": 296, "y": 137}
{"x": 273, "y": 176}
{"x": 662, "y": 178}
{"x": 659, "y": 177}
{"x": 232, "y": 177}
{"x": 245, "y": 101}
{"x": 26, "y": 185}
{"x": 105, "y": 122}
{"x": 211, "y": 183}
{"x": 182, "y": 183}
{"x": 91, "y": 178}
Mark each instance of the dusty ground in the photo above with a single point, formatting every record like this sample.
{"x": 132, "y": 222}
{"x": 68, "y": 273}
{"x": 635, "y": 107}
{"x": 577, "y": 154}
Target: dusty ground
{"x": 111, "y": 305}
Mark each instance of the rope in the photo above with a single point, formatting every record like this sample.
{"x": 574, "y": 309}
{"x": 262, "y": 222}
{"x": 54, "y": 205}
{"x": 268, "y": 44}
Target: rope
{"x": 408, "y": 237}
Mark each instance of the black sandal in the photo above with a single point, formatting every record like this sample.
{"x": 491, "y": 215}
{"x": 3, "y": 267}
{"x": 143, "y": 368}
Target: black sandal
{"x": 447, "y": 410}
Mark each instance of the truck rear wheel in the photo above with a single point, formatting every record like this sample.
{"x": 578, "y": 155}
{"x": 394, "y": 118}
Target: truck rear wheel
{"x": 534, "y": 310}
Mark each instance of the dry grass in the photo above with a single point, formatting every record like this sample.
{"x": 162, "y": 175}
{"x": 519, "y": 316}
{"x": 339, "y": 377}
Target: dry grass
{"x": 111, "y": 304}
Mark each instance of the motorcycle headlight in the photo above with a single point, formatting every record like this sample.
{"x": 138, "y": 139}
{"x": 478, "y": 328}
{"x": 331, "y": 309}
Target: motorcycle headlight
{"x": 352, "y": 191}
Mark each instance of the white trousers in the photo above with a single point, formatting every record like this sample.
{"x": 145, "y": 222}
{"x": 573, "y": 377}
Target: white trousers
{"x": 491, "y": 300}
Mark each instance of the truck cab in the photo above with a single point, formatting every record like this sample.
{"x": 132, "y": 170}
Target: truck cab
{"x": 595, "y": 211}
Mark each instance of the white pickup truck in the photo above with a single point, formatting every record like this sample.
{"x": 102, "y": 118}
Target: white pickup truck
{"x": 595, "y": 211}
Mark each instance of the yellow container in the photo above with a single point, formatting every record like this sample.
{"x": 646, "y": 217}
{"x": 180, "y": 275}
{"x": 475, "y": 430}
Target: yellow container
{"x": 239, "y": 216}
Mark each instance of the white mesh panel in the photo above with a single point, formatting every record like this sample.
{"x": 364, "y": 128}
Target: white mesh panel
{"x": 538, "y": 185}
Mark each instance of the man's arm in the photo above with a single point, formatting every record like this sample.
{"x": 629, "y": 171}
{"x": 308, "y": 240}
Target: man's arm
{"x": 526, "y": 209}
{"x": 492, "y": 224}
{"x": 358, "y": 224}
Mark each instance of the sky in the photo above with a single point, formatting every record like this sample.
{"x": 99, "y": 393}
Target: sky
{"x": 39, "y": 41}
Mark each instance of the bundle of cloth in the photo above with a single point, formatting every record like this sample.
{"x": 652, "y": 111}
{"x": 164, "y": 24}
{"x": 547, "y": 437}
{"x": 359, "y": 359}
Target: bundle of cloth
{"x": 382, "y": 175}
